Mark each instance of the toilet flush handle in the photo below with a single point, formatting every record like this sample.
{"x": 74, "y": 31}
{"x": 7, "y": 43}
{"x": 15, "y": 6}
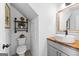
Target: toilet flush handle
{"x": 5, "y": 45}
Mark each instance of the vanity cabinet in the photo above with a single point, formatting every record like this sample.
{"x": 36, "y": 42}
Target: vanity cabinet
{"x": 53, "y": 51}
{"x": 56, "y": 49}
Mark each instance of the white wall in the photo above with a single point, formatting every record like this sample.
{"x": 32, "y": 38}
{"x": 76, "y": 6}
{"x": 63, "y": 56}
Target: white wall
{"x": 47, "y": 23}
{"x": 2, "y": 27}
{"x": 34, "y": 37}
{"x": 15, "y": 13}
{"x": 4, "y": 33}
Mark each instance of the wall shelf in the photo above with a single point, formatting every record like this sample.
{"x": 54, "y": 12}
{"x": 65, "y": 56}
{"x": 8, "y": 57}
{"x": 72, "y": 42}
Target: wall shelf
{"x": 21, "y": 25}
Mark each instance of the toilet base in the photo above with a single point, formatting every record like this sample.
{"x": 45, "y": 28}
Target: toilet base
{"x": 27, "y": 53}
{"x": 21, "y": 54}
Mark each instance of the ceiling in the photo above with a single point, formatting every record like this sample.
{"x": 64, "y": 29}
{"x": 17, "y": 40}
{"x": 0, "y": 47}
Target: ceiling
{"x": 25, "y": 9}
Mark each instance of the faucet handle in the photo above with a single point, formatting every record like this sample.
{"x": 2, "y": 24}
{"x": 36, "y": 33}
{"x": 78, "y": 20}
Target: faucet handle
{"x": 66, "y": 32}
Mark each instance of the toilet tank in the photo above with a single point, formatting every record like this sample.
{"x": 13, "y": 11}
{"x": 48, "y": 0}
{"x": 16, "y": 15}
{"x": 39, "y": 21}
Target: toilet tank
{"x": 21, "y": 41}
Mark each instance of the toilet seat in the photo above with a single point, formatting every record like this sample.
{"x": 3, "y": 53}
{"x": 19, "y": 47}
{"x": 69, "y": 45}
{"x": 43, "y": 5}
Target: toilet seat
{"x": 21, "y": 49}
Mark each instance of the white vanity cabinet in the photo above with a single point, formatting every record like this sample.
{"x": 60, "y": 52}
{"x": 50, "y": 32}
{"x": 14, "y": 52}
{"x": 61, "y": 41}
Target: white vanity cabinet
{"x": 53, "y": 51}
{"x": 56, "y": 49}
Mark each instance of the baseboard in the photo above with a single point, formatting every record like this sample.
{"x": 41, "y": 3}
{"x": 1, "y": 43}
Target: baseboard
{"x": 3, "y": 54}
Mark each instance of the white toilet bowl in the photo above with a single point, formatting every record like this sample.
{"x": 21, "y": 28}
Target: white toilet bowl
{"x": 22, "y": 47}
{"x": 21, "y": 50}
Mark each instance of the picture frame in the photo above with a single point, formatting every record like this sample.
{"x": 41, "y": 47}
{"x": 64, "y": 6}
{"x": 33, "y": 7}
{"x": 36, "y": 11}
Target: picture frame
{"x": 7, "y": 17}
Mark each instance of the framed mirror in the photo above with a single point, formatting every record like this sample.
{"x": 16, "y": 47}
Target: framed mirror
{"x": 68, "y": 19}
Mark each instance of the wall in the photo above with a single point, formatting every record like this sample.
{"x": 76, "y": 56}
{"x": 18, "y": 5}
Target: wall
{"x": 2, "y": 27}
{"x": 47, "y": 23}
{"x": 14, "y": 36}
{"x": 4, "y": 33}
{"x": 34, "y": 37}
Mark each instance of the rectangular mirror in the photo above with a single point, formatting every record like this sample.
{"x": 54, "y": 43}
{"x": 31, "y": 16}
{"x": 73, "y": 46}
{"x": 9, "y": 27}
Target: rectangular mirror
{"x": 68, "y": 19}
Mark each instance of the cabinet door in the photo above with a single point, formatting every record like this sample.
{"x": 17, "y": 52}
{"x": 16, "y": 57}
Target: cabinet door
{"x": 51, "y": 51}
{"x": 55, "y": 52}
{"x": 61, "y": 54}
{"x": 67, "y": 50}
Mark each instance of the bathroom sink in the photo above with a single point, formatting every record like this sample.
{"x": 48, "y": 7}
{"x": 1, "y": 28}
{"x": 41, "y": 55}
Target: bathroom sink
{"x": 65, "y": 38}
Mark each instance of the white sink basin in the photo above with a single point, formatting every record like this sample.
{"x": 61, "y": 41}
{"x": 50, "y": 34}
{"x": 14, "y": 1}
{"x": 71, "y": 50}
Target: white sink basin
{"x": 65, "y": 38}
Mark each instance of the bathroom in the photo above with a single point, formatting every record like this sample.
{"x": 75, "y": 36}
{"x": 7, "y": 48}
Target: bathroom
{"x": 41, "y": 25}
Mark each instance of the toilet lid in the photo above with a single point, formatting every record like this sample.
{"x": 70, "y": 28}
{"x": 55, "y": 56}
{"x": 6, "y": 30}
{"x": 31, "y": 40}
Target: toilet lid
{"x": 21, "y": 49}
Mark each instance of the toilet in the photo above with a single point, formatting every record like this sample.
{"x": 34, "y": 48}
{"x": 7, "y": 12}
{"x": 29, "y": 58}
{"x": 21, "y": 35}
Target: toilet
{"x": 22, "y": 48}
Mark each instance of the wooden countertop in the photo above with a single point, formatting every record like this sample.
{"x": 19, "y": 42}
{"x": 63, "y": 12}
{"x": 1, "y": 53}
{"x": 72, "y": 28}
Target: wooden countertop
{"x": 72, "y": 45}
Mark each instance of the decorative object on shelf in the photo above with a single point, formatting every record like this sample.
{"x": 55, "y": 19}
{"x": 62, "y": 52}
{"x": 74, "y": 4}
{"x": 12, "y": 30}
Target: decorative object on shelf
{"x": 21, "y": 25}
{"x": 7, "y": 17}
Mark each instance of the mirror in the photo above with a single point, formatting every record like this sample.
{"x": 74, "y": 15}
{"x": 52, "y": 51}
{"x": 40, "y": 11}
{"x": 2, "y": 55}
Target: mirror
{"x": 68, "y": 19}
